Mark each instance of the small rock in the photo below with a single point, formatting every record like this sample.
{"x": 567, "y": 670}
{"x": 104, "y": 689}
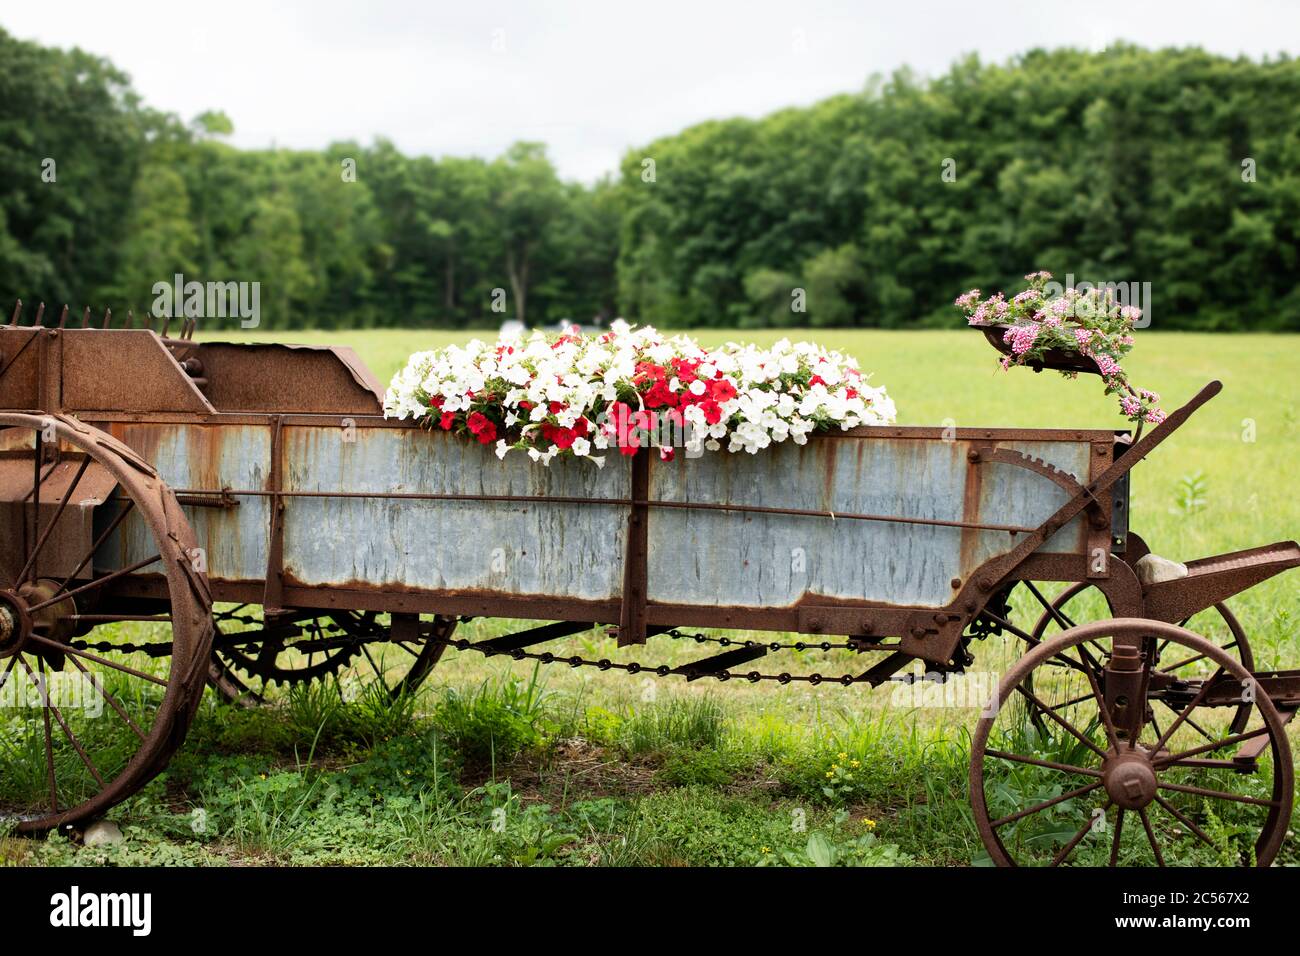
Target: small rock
{"x": 1153, "y": 569}
{"x": 102, "y": 833}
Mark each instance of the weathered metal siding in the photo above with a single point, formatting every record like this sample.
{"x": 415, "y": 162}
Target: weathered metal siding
{"x": 576, "y": 551}
{"x": 758, "y": 560}
{"x": 194, "y": 456}
{"x": 558, "y": 550}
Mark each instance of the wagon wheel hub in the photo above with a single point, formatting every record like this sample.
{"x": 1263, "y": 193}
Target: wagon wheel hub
{"x": 1130, "y": 779}
{"x": 15, "y": 623}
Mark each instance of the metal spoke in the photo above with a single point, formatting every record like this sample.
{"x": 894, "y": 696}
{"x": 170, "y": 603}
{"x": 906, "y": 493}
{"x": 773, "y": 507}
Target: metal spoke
{"x": 1114, "y": 843}
{"x": 1151, "y": 836}
{"x": 117, "y": 520}
{"x": 378, "y": 673}
{"x": 1173, "y": 759}
{"x": 1056, "y": 613}
{"x": 1048, "y": 764}
{"x": 1218, "y": 794}
{"x": 49, "y": 742}
{"x": 1184, "y": 820}
{"x": 1200, "y": 696}
{"x": 1039, "y": 807}
{"x": 4, "y": 678}
{"x": 1070, "y": 728}
{"x": 1069, "y": 847}
{"x": 98, "y": 582}
{"x": 63, "y": 724}
{"x": 109, "y": 698}
{"x": 58, "y": 513}
{"x": 1191, "y": 723}
{"x": 1070, "y": 703}
{"x": 1111, "y": 734}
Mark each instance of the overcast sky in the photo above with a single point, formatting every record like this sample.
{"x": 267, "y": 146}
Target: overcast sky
{"x": 590, "y": 79}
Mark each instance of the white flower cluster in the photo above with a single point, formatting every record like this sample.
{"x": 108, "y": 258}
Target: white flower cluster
{"x": 631, "y": 387}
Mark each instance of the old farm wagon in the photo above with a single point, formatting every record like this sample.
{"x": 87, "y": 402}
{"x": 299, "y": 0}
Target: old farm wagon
{"x": 251, "y": 516}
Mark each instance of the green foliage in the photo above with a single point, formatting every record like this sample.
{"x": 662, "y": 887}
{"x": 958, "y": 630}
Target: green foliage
{"x": 836, "y": 847}
{"x": 1191, "y": 496}
{"x": 494, "y": 722}
{"x": 882, "y": 205}
{"x": 1117, "y": 166}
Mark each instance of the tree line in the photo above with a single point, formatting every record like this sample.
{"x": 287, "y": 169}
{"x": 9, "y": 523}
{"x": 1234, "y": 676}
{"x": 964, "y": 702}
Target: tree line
{"x": 1173, "y": 167}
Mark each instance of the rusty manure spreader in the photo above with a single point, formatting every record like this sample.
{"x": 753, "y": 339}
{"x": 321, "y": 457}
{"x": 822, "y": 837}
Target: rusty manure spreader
{"x": 250, "y": 516}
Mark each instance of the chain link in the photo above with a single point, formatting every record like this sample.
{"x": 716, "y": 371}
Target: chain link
{"x": 663, "y": 670}
{"x": 312, "y": 643}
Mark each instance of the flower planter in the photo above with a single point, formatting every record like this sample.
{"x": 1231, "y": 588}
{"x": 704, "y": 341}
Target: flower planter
{"x": 1057, "y": 359}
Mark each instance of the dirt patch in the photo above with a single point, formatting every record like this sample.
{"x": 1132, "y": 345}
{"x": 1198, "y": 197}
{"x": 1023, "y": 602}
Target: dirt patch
{"x": 568, "y": 770}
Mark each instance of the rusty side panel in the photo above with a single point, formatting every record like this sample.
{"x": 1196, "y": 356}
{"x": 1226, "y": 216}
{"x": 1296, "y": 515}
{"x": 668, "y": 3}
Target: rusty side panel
{"x": 575, "y": 551}
{"x": 757, "y": 560}
{"x": 572, "y": 551}
{"x": 73, "y": 536}
{"x": 287, "y": 378}
{"x": 20, "y": 361}
{"x": 126, "y": 369}
{"x": 207, "y": 456}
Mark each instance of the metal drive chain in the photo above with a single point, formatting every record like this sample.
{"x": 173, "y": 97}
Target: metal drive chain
{"x": 663, "y": 670}
{"x": 306, "y": 644}
{"x": 679, "y": 635}
{"x": 312, "y": 643}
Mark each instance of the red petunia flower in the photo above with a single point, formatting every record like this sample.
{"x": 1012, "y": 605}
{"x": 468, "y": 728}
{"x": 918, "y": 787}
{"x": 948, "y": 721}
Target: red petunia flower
{"x": 722, "y": 390}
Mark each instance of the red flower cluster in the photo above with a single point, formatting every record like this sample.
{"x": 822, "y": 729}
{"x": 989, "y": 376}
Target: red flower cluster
{"x": 481, "y": 427}
{"x": 562, "y": 437}
{"x": 686, "y": 371}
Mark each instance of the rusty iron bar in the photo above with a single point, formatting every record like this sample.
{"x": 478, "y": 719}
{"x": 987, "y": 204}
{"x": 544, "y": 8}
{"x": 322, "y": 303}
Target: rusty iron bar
{"x": 273, "y": 587}
{"x": 636, "y": 560}
{"x": 610, "y": 502}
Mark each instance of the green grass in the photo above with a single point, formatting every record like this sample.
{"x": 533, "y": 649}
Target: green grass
{"x": 493, "y": 764}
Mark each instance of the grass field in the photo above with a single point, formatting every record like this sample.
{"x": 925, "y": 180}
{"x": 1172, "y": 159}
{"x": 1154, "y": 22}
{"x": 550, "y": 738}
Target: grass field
{"x": 496, "y": 763}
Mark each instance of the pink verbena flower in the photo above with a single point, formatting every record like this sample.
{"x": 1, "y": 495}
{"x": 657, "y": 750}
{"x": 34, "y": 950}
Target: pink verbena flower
{"x": 1130, "y": 406}
{"x": 967, "y": 300}
{"x": 1021, "y": 338}
{"x": 1108, "y": 366}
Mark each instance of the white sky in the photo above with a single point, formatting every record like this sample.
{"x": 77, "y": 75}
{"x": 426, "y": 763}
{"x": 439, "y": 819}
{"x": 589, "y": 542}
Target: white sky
{"x": 591, "y": 79}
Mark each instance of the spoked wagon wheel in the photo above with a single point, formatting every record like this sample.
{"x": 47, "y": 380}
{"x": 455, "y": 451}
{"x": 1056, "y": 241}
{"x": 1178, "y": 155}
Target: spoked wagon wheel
{"x": 1102, "y": 785}
{"x": 251, "y": 655}
{"x": 1081, "y": 603}
{"x": 103, "y": 686}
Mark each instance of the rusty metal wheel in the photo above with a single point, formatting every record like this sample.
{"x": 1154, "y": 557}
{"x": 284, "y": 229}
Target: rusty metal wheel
{"x": 1218, "y": 621}
{"x": 105, "y": 622}
{"x": 252, "y": 655}
{"x": 1104, "y": 785}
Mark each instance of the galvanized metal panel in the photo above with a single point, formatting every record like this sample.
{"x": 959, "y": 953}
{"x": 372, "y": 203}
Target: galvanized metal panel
{"x": 548, "y": 549}
{"x": 576, "y": 551}
{"x": 757, "y": 560}
{"x": 189, "y": 456}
